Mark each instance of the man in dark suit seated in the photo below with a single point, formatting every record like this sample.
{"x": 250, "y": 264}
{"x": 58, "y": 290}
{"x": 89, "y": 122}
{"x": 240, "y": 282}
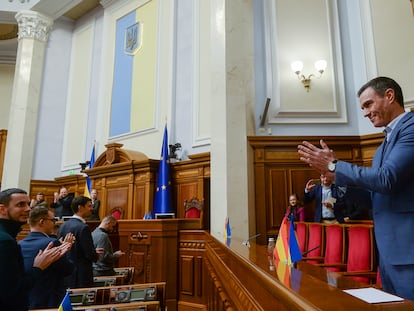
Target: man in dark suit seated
{"x": 83, "y": 252}
{"x": 49, "y": 289}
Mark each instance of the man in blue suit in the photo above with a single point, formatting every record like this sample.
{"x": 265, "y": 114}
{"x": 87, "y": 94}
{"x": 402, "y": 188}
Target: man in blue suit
{"x": 390, "y": 180}
{"x": 328, "y": 200}
{"x": 49, "y": 289}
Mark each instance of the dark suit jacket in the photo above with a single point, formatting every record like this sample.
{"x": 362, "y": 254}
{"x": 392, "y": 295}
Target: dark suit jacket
{"x": 63, "y": 207}
{"x": 316, "y": 195}
{"x": 15, "y": 282}
{"x": 82, "y": 253}
{"x": 49, "y": 289}
{"x": 392, "y": 184}
{"x": 95, "y": 211}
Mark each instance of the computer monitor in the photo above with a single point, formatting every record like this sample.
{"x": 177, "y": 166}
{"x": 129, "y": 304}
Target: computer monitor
{"x": 80, "y": 297}
{"x": 164, "y": 215}
{"x": 104, "y": 281}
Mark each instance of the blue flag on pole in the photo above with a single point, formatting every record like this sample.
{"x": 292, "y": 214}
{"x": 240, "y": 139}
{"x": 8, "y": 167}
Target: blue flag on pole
{"x": 162, "y": 202}
{"x": 88, "y": 186}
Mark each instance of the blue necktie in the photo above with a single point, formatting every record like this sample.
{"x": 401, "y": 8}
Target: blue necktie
{"x": 386, "y": 131}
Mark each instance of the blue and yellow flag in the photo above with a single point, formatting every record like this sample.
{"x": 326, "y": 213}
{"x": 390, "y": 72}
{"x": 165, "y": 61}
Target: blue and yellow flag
{"x": 88, "y": 185}
{"x": 227, "y": 232}
{"x": 162, "y": 202}
{"x": 65, "y": 305}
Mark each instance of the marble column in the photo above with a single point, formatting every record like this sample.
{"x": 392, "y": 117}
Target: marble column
{"x": 232, "y": 100}
{"x": 33, "y": 35}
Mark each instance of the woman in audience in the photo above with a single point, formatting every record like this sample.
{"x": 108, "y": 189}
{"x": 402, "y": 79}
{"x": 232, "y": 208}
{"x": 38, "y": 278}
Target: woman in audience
{"x": 295, "y": 211}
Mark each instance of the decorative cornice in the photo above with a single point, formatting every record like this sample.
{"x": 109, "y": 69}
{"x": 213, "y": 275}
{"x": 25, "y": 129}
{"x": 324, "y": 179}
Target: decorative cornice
{"x": 192, "y": 244}
{"x": 33, "y": 25}
{"x": 106, "y": 3}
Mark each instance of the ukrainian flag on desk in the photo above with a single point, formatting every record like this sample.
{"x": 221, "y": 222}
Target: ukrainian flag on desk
{"x": 65, "y": 305}
{"x": 162, "y": 202}
{"x": 88, "y": 186}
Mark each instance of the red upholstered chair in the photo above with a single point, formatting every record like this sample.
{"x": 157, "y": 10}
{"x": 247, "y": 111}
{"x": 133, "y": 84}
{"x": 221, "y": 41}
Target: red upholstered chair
{"x": 316, "y": 243}
{"x": 193, "y": 208}
{"x": 117, "y": 213}
{"x": 361, "y": 264}
{"x": 334, "y": 259}
{"x": 302, "y": 234}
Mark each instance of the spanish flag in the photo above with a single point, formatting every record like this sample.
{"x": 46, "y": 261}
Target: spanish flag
{"x": 65, "y": 305}
{"x": 287, "y": 246}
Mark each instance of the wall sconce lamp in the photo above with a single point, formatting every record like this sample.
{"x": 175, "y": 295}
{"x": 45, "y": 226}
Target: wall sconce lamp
{"x": 174, "y": 149}
{"x": 297, "y": 66}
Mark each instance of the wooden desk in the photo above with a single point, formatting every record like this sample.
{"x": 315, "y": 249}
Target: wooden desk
{"x": 240, "y": 279}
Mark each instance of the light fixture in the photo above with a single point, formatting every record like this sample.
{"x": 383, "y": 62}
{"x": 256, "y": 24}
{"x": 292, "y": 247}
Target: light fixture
{"x": 297, "y": 66}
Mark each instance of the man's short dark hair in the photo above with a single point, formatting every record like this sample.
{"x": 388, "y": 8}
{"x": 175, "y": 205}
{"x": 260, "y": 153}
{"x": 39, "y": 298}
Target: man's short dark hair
{"x": 81, "y": 200}
{"x": 381, "y": 84}
{"x": 37, "y": 213}
{"x": 5, "y": 195}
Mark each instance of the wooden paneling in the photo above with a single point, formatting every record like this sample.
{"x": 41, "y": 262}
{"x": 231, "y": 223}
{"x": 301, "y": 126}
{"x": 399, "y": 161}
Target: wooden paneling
{"x": 116, "y": 198}
{"x": 152, "y": 248}
{"x": 48, "y": 187}
{"x": 191, "y": 178}
{"x": 190, "y": 277}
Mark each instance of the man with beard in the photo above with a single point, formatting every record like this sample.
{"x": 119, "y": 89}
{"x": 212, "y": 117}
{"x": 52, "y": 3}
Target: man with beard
{"x": 15, "y": 282}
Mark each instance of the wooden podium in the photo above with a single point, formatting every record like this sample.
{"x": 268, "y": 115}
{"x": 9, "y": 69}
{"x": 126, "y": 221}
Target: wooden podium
{"x": 151, "y": 246}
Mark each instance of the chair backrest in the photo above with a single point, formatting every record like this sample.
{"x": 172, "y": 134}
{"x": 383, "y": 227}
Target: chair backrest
{"x": 117, "y": 213}
{"x": 360, "y": 250}
{"x": 335, "y": 245}
{"x": 316, "y": 240}
{"x": 193, "y": 208}
{"x": 302, "y": 234}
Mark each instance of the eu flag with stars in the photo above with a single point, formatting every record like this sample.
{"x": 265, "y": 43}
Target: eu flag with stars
{"x": 162, "y": 202}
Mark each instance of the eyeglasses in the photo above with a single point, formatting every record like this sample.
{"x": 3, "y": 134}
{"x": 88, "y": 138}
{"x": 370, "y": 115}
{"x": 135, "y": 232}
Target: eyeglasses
{"x": 51, "y": 219}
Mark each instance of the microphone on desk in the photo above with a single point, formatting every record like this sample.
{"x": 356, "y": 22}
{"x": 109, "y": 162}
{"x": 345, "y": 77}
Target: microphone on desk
{"x": 309, "y": 250}
{"x": 247, "y": 243}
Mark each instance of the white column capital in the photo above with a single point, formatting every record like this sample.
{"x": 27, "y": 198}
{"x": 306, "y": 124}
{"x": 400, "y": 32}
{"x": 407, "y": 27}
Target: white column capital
{"x": 34, "y": 25}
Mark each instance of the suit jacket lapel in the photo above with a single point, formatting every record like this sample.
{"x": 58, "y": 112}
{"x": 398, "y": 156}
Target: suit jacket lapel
{"x": 385, "y": 149}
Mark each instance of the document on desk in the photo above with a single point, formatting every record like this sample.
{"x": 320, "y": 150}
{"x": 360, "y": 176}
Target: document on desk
{"x": 372, "y": 295}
